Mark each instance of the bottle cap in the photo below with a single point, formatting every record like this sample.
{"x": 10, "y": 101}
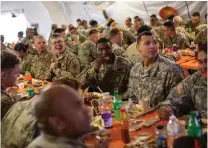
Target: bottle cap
{"x": 122, "y": 110}
{"x": 160, "y": 127}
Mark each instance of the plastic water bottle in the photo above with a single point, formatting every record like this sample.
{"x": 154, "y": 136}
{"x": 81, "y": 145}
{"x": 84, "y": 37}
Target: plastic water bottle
{"x": 117, "y": 105}
{"x": 106, "y": 115}
{"x": 172, "y": 129}
{"x": 161, "y": 138}
{"x": 172, "y": 126}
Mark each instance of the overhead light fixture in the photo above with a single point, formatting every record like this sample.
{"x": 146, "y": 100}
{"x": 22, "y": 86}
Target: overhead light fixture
{"x": 13, "y": 15}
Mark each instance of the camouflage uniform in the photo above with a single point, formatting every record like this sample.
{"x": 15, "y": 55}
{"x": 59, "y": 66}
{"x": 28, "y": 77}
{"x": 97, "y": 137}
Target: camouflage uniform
{"x": 6, "y": 102}
{"x": 87, "y": 53}
{"x": 49, "y": 141}
{"x": 189, "y": 94}
{"x": 26, "y": 63}
{"x": 188, "y": 36}
{"x": 180, "y": 41}
{"x": 74, "y": 47}
{"x": 27, "y": 41}
{"x": 133, "y": 54}
{"x": 201, "y": 36}
{"x": 193, "y": 26}
{"x": 155, "y": 81}
{"x": 67, "y": 64}
{"x": 106, "y": 32}
{"x": 82, "y": 38}
{"x": 19, "y": 125}
{"x": 128, "y": 37}
{"x": 127, "y": 28}
{"x": 118, "y": 50}
{"x": 41, "y": 64}
{"x": 109, "y": 77}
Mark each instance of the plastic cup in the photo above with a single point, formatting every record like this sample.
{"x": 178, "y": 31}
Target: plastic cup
{"x": 144, "y": 104}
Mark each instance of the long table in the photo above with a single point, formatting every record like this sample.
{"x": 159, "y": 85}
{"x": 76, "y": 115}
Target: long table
{"x": 116, "y": 139}
{"x": 187, "y": 62}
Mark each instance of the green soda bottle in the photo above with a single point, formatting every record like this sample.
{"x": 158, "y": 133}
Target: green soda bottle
{"x": 194, "y": 128}
{"x": 117, "y": 105}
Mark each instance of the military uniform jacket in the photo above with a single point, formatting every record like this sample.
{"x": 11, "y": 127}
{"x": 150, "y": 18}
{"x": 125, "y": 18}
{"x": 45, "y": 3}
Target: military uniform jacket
{"x": 26, "y": 63}
{"x": 41, "y": 64}
{"x": 189, "y": 95}
{"x": 6, "y": 102}
{"x": 48, "y": 141}
{"x": 18, "y": 125}
{"x": 201, "y": 36}
{"x": 153, "y": 82}
{"x": 67, "y": 65}
{"x": 118, "y": 50}
{"x": 180, "y": 41}
{"x": 87, "y": 53}
{"x": 109, "y": 77}
{"x": 27, "y": 41}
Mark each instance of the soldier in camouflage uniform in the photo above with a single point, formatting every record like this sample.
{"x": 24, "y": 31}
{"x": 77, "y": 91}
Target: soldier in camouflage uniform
{"x": 42, "y": 60}
{"x": 128, "y": 26}
{"x": 191, "y": 93}
{"x": 19, "y": 125}
{"x": 70, "y": 112}
{"x": 66, "y": 63}
{"x": 21, "y": 51}
{"x": 9, "y": 73}
{"x": 154, "y": 76}
{"x": 116, "y": 37}
{"x": 87, "y": 51}
{"x": 201, "y": 36}
{"x": 107, "y": 71}
{"x": 81, "y": 37}
{"x": 29, "y": 40}
{"x": 171, "y": 37}
{"x": 194, "y": 22}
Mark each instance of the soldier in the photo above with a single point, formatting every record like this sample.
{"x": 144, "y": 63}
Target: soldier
{"x": 65, "y": 63}
{"x": 138, "y": 22}
{"x": 73, "y": 32}
{"x": 107, "y": 71}
{"x": 19, "y": 125}
{"x": 9, "y": 73}
{"x": 153, "y": 76}
{"x": 21, "y": 51}
{"x": 191, "y": 93}
{"x": 116, "y": 38}
{"x": 171, "y": 37}
{"x": 20, "y": 36}
{"x": 128, "y": 26}
{"x": 42, "y": 60}
{"x": 29, "y": 40}
{"x": 128, "y": 37}
{"x": 201, "y": 36}
{"x": 56, "y": 109}
{"x": 94, "y": 25}
{"x": 195, "y": 22}
{"x": 87, "y": 51}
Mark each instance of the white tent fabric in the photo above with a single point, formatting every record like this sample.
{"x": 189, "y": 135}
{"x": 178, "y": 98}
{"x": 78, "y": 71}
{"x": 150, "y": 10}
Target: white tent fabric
{"x": 46, "y": 13}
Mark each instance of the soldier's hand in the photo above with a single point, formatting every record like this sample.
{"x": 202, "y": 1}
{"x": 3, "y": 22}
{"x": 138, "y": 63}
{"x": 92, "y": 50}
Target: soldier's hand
{"x": 75, "y": 38}
{"x": 97, "y": 63}
{"x": 164, "y": 112}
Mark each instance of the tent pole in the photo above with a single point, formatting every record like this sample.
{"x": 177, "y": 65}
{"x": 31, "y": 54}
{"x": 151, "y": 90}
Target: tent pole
{"x": 146, "y": 9}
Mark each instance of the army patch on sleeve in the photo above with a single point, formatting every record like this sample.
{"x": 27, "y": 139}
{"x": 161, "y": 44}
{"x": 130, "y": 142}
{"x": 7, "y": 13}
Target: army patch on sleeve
{"x": 180, "y": 89}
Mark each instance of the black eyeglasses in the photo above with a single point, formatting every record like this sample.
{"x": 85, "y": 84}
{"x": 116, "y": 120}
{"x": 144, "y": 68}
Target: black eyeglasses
{"x": 59, "y": 42}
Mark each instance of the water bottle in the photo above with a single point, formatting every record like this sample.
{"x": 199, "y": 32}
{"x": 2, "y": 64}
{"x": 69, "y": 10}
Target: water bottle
{"x": 161, "y": 138}
{"x": 172, "y": 129}
{"x": 106, "y": 115}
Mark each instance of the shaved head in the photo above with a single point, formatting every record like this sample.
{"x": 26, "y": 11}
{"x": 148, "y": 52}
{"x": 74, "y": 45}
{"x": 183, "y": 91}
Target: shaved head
{"x": 60, "y": 112}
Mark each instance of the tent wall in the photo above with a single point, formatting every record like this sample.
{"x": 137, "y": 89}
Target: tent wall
{"x": 45, "y": 12}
